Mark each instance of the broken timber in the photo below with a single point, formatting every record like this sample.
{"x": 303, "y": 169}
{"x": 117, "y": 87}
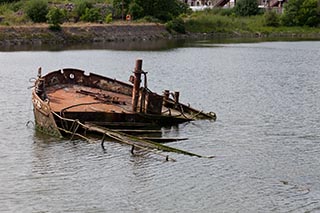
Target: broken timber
{"x": 127, "y": 139}
{"x": 70, "y": 101}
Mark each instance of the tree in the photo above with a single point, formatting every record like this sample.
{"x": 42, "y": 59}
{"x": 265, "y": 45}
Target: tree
{"x": 37, "y": 10}
{"x": 81, "y": 7}
{"x": 135, "y": 10}
{"x": 300, "y": 13}
{"x": 91, "y": 15}
{"x": 271, "y": 18}
{"x": 291, "y": 10}
{"x": 163, "y": 10}
{"x": 7, "y": 1}
{"x": 246, "y": 8}
{"x": 177, "y": 24}
{"x": 121, "y": 8}
{"x": 309, "y": 13}
{"x": 56, "y": 17}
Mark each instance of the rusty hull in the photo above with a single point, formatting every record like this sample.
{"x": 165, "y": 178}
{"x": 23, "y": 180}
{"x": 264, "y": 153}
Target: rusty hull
{"x": 91, "y": 98}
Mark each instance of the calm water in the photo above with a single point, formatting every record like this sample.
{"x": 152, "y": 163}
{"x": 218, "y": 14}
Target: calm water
{"x": 266, "y": 139}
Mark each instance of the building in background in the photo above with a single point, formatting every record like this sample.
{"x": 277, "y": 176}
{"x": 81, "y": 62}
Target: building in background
{"x": 196, "y": 5}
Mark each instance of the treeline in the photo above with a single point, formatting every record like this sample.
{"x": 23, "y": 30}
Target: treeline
{"x": 246, "y": 16}
{"x": 295, "y": 13}
{"x": 297, "y": 16}
{"x": 57, "y": 12}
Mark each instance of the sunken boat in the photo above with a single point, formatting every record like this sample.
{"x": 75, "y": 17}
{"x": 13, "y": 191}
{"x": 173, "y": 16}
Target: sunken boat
{"x": 64, "y": 96}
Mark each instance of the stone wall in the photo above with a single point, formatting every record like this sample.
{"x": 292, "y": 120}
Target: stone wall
{"x": 88, "y": 33}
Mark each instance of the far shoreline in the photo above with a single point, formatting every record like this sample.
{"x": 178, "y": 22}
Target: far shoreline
{"x": 84, "y": 33}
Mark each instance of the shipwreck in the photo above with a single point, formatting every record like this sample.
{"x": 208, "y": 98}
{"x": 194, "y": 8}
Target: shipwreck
{"x": 71, "y": 102}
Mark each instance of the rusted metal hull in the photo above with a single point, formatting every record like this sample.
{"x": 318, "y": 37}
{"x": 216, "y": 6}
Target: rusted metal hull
{"x": 43, "y": 117}
{"x": 95, "y": 99}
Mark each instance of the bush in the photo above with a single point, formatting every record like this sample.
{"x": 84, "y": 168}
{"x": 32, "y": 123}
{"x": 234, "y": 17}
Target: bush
{"x": 300, "y": 13}
{"x": 150, "y": 19}
{"x": 16, "y": 6}
{"x": 227, "y": 12}
{"x": 56, "y": 17}
{"x": 163, "y": 10}
{"x": 177, "y": 25}
{"x": 209, "y": 24}
{"x": 91, "y": 15}
{"x": 37, "y": 10}
{"x": 135, "y": 10}
{"x": 271, "y": 19}
{"x": 120, "y": 7}
{"x": 80, "y": 8}
{"x": 108, "y": 18}
{"x": 7, "y": 1}
{"x": 246, "y": 8}
{"x": 309, "y": 13}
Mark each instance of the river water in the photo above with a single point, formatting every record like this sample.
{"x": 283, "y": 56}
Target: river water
{"x": 266, "y": 139}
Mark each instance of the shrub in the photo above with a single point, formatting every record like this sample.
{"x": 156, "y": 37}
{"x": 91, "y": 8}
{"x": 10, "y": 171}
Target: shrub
{"x": 177, "y": 24}
{"x": 246, "y": 8}
{"x": 7, "y": 1}
{"x": 309, "y": 13}
{"x": 16, "y": 6}
{"x": 150, "y": 19}
{"x": 135, "y": 10}
{"x": 209, "y": 24}
{"x": 91, "y": 15}
{"x": 227, "y": 12}
{"x": 37, "y": 10}
{"x": 120, "y": 8}
{"x": 80, "y": 8}
{"x": 301, "y": 12}
{"x": 56, "y": 17}
{"x": 163, "y": 10}
{"x": 271, "y": 18}
{"x": 108, "y": 18}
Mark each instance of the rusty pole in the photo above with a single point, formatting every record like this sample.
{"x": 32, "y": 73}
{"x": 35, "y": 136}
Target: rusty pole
{"x": 136, "y": 84}
{"x": 166, "y": 95}
{"x": 176, "y": 97}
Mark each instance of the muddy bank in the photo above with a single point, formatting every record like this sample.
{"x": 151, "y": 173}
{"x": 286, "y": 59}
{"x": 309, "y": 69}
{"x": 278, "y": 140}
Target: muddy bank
{"x": 73, "y": 34}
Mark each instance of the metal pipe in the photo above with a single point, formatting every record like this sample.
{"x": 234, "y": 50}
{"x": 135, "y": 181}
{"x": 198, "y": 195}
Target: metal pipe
{"x": 166, "y": 95}
{"x": 136, "y": 84}
{"x": 176, "y": 97}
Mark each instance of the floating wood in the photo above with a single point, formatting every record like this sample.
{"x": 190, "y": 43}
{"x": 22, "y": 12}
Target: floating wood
{"x": 132, "y": 140}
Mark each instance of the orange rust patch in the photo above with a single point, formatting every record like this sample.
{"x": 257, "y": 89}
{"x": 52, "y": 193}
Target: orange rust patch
{"x": 74, "y": 98}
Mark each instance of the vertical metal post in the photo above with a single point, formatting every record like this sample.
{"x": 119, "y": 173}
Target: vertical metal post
{"x": 166, "y": 94}
{"x": 136, "y": 84}
{"x": 176, "y": 97}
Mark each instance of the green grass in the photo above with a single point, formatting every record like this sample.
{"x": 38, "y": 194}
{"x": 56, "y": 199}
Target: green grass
{"x": 214, "y": 22}
{"x": 14, "y": 13}
{"x": 208, "y": 21}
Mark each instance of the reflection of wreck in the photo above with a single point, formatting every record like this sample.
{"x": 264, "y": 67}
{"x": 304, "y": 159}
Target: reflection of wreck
{"x": 69, "y": 101}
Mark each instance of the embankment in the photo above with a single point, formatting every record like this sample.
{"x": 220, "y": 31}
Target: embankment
{"x": 85, "y": 33}
{"x": 122, "y": 32}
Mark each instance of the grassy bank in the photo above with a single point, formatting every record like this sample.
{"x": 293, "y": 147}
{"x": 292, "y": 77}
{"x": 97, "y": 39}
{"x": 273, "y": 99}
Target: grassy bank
{"x": 16, "y": 28}
{"x": 208, "y": 22}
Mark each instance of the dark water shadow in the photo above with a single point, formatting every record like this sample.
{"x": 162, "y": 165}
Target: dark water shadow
{"x": 147, "y": 45}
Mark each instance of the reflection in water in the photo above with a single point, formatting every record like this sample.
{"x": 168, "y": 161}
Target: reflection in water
{"x": 128, "y": 46}
{"x": 152, "y": 45}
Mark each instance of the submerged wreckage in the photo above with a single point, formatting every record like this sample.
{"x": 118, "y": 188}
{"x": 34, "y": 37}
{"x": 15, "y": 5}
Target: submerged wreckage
{"x": 70, "y": 102}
